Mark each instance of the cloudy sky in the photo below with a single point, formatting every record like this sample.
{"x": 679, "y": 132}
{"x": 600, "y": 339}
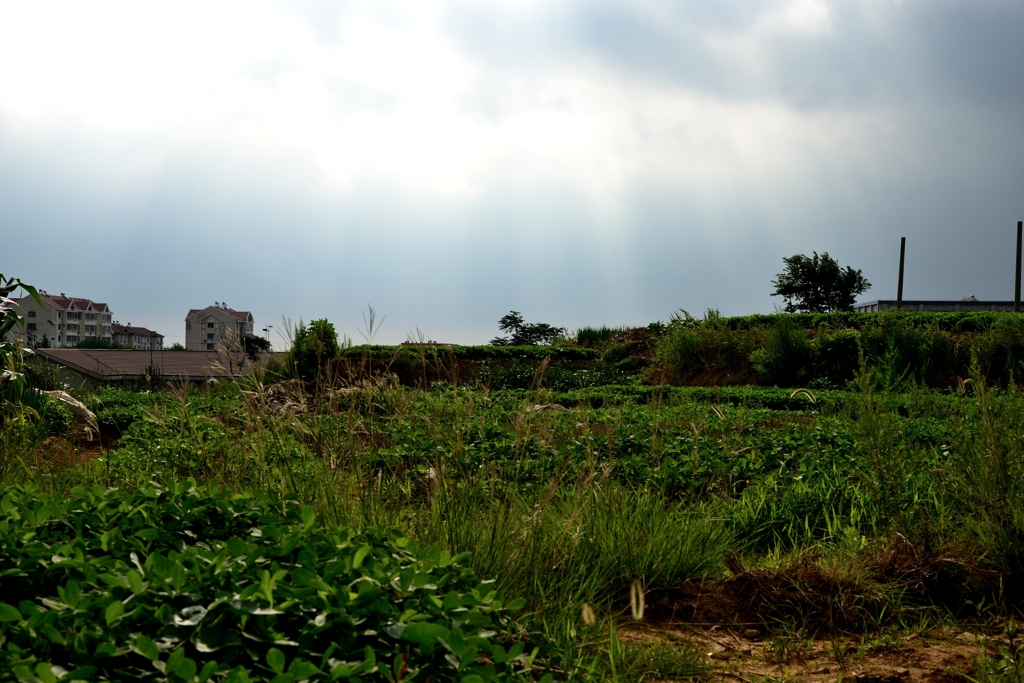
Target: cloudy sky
{"x": 583, "y": 162}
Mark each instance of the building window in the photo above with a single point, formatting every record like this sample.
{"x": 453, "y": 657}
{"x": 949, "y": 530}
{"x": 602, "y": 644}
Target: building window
{"x": 73, "y": 316}
{"x": 90, "y": 316}
{"x": 31, "y": 314}
{"x": 72, "y": 339}
{"x": 90, "y": 328}
{"x": 209, "y": 347}
{"x": 60, "y": 314}
{"x": 31, "y": 327}
{"x": 106, "y": 318}
{"x": 210, "y": 325}
{"x": 209, "y": 335}
{"x": 106, "y": 329}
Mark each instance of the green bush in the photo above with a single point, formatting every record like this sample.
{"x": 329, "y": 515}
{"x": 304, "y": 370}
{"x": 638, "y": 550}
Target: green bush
{"x": 592, "y": 336}
{"x": 786, "y": 358}
{"x": 187, "y": 581}
{"x": 314, "y": 347}
{"x": 836, "y": 355}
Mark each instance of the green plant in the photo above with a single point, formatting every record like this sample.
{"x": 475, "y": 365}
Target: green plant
{"x": 1006, "y": 663}
{"x": 185, "y": 581}
{"x": 786, "y": 357}
{"x": 254, "y": 346}
{"x": 524, "y": 333}
{"x": 12, "y": 379}
{"x": 98, "y": 343}
{"x": 592, "y": 336}
{"x": 817, "y": 284}
{"x": 313, "y": 348}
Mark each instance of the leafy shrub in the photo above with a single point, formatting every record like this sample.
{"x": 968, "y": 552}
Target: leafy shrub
{"x": 786, "y": 357}
{"x": 117, "y": 409}
{"x": 592, "y": 336}
{"x": 173, "y": 583}
{"x": 836, "y": 355}
{"x": 313, "y": 348}
{"x": 692, "y": 346}
{"x": 56, "y": 417}
{"x": 524, "y": 333}
{"x": 616, "y": 352}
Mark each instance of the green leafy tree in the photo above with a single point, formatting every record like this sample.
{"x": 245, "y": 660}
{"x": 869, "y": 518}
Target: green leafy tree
{"x": 818, "y": 284}
{"x": 254, "y": 346}
{"x": 12, "y": 380}
{"x": 314, "y": 347}
{"x": 524, "y": 333}
{"x": 176, "y": 346}
{"x": 97, "y": 343}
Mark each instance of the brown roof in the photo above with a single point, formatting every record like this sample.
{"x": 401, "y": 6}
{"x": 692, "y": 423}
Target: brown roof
{"x": 140, "y": 331}
{"x": 118, "y": 364}
{"x": 238, "y": 315}
{"x": 66, "y": 302}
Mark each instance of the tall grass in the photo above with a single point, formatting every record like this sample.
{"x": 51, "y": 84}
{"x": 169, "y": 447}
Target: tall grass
{"x": 570, "y": 507}
{"x": 592, "y": 336}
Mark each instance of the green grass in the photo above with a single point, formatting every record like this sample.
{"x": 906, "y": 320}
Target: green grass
{"x": 849, "y": 502}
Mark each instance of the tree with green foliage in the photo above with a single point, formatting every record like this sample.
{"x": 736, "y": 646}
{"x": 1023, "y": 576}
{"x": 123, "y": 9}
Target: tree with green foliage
{"x": 313, "y": 348}
{"x": 177, "y": 346}
{"x": 97, "y": 343}
{"x": 818, "y": 284}
{"x": 13, "y": 385}
{"x": 254, "y": 346}
{"x": 524, "y": 333}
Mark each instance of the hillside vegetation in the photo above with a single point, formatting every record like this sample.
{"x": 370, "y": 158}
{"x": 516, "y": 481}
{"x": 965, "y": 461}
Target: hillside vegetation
{"x": 564, "y": 512}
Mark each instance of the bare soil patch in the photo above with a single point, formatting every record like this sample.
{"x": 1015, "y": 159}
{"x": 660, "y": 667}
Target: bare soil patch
{"x": 935, "y": 656}
{"x": 81, "y": 448}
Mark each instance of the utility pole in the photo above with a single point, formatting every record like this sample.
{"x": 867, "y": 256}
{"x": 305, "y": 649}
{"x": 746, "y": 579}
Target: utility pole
{"x": 1016, "y": 284}
{"x": 903, "y": 251}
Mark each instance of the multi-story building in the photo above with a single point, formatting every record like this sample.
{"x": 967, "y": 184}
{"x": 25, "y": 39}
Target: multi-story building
{"x": 207, "y": 327}
{"x": 62, "y": 320}
{"x": 138, "y": 338}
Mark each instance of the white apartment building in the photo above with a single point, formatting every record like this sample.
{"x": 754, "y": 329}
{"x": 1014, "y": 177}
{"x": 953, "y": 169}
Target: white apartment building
{"x": 207, "y": 327}
{"x": 63, "y": 320}
{"x": 138, "y": 338}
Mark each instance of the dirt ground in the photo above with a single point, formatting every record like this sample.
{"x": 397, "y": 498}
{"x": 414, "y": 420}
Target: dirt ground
{"x": 738, "y": 654}
{"x": 80, "y": 448}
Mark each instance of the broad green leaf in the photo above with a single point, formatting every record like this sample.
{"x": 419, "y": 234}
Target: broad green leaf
{"x": 147, "y": 648}
{"x": 361, "y": 554}
{"x": 208, "y": 670}
{"x": 275, "y": 660}
{"x": 8, "y": 613}
{"x": 70, "y": 594}
{"x": 45, "y": 673}
{"x": 114, "y": 611}
{"x": 301, "y": 669}
{"x": 183, "y": 668}
{"x": 53, "y": 634}
{"x": 424, "y": 633}
{"x": 135, "y": 581}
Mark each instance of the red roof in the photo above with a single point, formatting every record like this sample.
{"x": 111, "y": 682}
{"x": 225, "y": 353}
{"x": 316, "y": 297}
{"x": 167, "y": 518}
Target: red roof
{"x": 140, "y": 331}
{"x": 66, "y": 302}
{"x": 238, "y": 315}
